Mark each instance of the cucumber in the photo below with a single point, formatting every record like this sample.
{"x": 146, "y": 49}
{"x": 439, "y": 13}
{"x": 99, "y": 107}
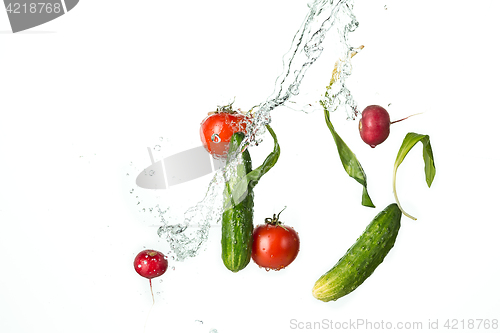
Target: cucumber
{"x": 237, "y": 220}
{"x": 362, "y": 258}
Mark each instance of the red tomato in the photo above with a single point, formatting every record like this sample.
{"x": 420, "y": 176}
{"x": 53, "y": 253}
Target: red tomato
{"x": 275, "y": 245}
{"x": 216, "y": 131}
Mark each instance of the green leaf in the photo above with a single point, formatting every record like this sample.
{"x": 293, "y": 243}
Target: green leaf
{"x": 350, "y": 162}
{"x": 271, "y": 159}
{"x": 430, "y": 170}
{"x": 252, "y": 178}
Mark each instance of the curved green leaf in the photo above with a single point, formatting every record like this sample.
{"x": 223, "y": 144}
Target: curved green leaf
{"x": 239, "y": 191}
{"x": 430, "y": 170}
{"x": 350, "y": 162}
{"x": 271, "y": 159}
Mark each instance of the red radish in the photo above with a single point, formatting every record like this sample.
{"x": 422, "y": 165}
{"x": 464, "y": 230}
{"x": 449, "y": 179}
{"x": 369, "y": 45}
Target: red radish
{"x": 150, "y": 264}
{"x": 374, "y": 126}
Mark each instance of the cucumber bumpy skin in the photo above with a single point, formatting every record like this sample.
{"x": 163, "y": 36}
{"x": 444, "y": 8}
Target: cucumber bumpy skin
{"x": 237, "y": 220}
{"x": 362, "y": 258}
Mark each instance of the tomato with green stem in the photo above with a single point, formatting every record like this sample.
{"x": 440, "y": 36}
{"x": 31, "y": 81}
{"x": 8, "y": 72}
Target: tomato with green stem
{"x": 217, "y": 129}
{"x": 275, "y": 245}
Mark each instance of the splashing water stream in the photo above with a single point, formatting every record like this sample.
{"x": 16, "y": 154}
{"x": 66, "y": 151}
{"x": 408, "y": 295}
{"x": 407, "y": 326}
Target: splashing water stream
{"x": 186, "y": 239}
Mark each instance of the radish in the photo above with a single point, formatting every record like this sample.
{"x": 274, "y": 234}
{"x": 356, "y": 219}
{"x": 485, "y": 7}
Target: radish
{"x": 374, "y": 126}
{"x": 150, "y": 264}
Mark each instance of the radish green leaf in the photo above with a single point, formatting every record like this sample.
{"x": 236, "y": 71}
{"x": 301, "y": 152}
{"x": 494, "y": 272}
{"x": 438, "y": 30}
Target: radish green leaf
{"x": 430, "y": 170}
{"x": 350, "y": 162}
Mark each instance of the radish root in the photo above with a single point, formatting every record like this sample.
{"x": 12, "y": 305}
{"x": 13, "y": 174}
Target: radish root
{"x": 395, "y": 121}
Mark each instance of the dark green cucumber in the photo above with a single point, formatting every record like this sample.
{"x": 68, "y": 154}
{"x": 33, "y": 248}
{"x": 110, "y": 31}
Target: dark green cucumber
{"x": 237, "y": 219}
{"x": 362, "y": 258}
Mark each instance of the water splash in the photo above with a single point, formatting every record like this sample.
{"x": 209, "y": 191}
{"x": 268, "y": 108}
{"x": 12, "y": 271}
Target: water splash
{"x": 187, "y": 238}
{"x": 306, "y": 48}
{"x": 337, "y": 94}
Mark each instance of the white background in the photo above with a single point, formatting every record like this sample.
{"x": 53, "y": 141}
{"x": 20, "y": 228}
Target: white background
{"x": 82, "y": 97}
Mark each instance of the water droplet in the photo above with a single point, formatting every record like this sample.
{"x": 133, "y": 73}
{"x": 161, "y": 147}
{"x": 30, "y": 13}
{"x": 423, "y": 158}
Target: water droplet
{"x": 216, "y": 138}
{"x": 294, "y": 89}
{"x": 131, "y": 191}
{"x": 157, "y": 148}
{"x": 161, "y": 138}
{"x": 151, "y": 172}
{"x": 213, "y": 330}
